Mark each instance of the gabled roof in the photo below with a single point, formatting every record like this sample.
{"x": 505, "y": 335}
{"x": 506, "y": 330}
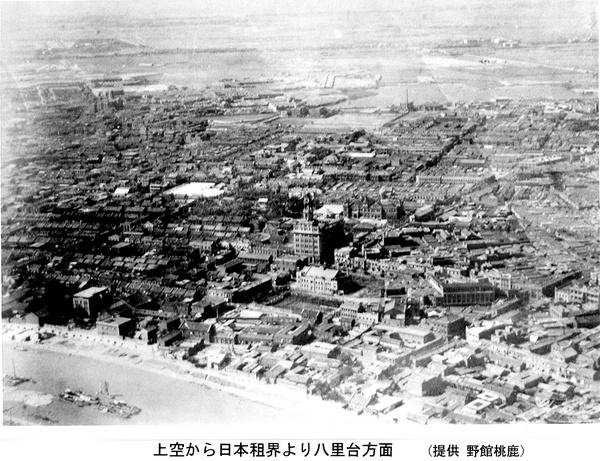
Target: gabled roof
{"x": 199, "y": 327}
{"x": 361, "y": 400}
{"x": 316, "y": 271}
{"x": 89, "y": 292}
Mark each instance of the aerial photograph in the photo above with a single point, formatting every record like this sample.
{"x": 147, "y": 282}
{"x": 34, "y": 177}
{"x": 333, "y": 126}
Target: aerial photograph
{"x": 377, "y": 213}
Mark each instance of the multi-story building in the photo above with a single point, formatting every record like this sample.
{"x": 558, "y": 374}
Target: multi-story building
{"x": 91, "y": 300}
{"x": 576, "y": 292}
{"x": 115, "y": 326}
{"x": 546, "y": 286}
{"x": 369, "y": 208}
{"x": 462, "y": 293}
{"x": 317, "y": 280}
{"x": 363, "y": 207}
{"x": 350, "y": 310}
{"x": 502, "y": 280}
{"x": 316, "y": 240}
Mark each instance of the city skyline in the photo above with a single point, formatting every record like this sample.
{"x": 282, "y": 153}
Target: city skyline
{"x": 374, "y": 214}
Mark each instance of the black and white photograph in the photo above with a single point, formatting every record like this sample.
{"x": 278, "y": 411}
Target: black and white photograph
{"x": 300, "y": 229}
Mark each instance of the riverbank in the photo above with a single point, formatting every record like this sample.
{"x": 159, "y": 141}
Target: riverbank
{"x": 168, "y": 391}
{"x": 162, "y": 398}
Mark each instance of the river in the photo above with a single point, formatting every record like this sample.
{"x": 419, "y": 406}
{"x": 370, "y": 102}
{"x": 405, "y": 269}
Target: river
{"x": 163, "y": 399}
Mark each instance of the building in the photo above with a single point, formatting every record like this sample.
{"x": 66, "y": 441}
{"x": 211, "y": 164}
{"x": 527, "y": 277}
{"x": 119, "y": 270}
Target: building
{"x": 414, "y": 335}
{"x": 316, "y": 240}
{"x": 148, "y": 334}
{"x": 450, "y": 325}
{"x": 255, "y": 258}
{"x": 350, "y": 309}
{"x": 225, "y": 335}
{"x": 359, "y": 402}
{"x": 539, "y": 287}
{"x": 39, "y": 318}
{"x": 202, "y": 331}
{"x": 577, "y": 293}
{"x": 462, "y": 293}
{"x": 369, "y": 208}
{"x": 256, "y": 287}
{"x": 91, "y": 300}
{"x": 170, "y": 324}
{"x": 475, "y": 333}
{"x": 425, "y": 383}
{"x": 319, "y": 350}
{"x": 544, "y": 364}
{"x": 115, "y": 326}
{"x": 502, "y": 280}
{"x": 170, "y": 338}
{"x": 288, "y": 264}
{"x": 317, "y": 280}
{"x": 424, "y": 213}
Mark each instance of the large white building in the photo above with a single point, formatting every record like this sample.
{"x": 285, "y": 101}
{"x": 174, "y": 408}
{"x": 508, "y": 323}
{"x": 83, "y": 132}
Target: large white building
{"x": 193, "y": 190}
{"x": 317, "y": 280}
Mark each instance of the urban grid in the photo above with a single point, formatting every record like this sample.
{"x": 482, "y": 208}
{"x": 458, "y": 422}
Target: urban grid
{"x": 415, "y": 261}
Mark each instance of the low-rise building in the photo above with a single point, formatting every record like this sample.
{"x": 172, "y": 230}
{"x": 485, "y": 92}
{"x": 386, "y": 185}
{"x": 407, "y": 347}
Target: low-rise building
{"x": 115, "y": 326}
{"x": 415, "y": 335}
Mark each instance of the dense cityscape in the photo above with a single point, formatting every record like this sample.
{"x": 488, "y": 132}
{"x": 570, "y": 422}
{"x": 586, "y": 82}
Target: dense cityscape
{"x": 416, "y": 261}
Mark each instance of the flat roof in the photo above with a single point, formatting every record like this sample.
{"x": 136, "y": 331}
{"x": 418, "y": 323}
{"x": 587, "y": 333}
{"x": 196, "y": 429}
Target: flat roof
{"x": 196, "y": 189}
{"x": 414, "y": 331}
{"x": 89, "y": 292}
{"x": 250, "y": 314}
{"x": 114, "y": 321}
{"x": 356, "y": 120}
{"x": 121, "y": 191}
{"x": 250, "y": 255}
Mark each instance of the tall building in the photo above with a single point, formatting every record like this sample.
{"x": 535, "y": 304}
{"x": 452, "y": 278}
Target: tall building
{"x": 91, "y": 300}
{"x": 316, "y": 240}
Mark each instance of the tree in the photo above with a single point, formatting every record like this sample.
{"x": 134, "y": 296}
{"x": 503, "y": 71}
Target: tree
{"x": 346, "y": 359}
{"x": 345, "y": 372}
{"x": 357, "y": 134}
{"x": 327, "y": 392}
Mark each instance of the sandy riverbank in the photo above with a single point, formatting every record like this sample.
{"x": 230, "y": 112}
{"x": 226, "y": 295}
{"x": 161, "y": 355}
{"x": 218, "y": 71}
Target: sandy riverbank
{"x": 163, "y": 399}
{"x": 168, "y": 391}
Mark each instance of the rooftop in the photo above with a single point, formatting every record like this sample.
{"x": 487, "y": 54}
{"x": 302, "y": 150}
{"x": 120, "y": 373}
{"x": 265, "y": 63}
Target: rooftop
{"x": 114, "y": 321}
{"x": 89, "y": 292}
{"x": 196, "y": 189}
{"x": 315, "y": 271}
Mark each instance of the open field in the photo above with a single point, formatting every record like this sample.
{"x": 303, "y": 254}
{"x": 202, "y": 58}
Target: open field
{"x": 430, "y": 79}
{"x": 416, "y": 47}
